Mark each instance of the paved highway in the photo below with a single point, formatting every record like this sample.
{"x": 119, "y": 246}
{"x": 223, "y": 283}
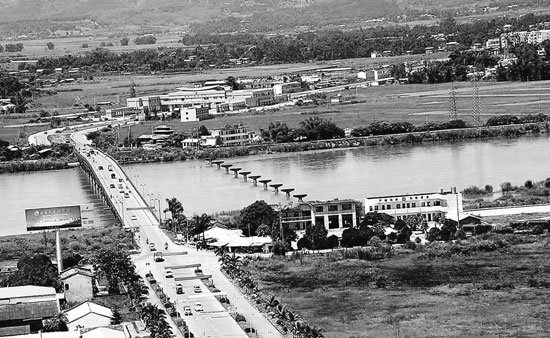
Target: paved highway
{"x": 213, "y": 321}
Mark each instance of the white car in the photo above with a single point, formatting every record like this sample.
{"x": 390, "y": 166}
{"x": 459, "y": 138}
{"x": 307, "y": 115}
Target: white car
{"x": 197, "y": 289}
{"x": 168, "y": 274}
{"x": 134, "y": 218}
{"x": 198, "y": 307}
{"x": 187, "y": 311}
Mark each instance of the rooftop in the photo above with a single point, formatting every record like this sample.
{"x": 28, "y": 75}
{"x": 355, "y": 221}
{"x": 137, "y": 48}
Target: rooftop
{"x": 25, "y": 291}
{"x": 24, "y": 311}
{"x": 86, "y": 308}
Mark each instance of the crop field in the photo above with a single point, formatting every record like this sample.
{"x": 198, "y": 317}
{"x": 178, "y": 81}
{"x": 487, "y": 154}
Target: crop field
{"x": 482, "y": 295}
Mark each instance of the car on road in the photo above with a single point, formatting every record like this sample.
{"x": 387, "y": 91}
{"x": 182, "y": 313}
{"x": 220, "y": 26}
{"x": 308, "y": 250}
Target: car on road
{"x": 168, "y": 273}
{"x": 102, "y": 291}
{"x": 100, "y": 167}
{"x": 197, "y": 289}
{"x": 152, "y": 247}
{"x": 112, "y": 186}
{"x": 133, "y": 218}
{"x": 126, "y": 195}
{"x": 198, "y": 307}
{"x": 179, "y": 289}
{"x": 187, "y": 311}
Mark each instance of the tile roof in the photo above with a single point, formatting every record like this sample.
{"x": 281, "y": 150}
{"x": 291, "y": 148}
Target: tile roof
{"x": 44, "y": 309}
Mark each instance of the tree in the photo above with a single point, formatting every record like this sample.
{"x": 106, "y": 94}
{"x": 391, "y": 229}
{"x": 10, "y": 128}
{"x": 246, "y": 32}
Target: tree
{"x": 34, "y": 270}
{"x": 433, "y": 234}
{"x": 174, "y": 206}
{"x": 414, "y": 221}
{"x": 316, "y": 128}
{"x": 332, "y": 242}
{"x": 201, "y": 223}
{"x": 263, "y": 230}
{"x": 85, "y": 45}
{"x": 56, "y": 323}
{"x": 528, "y": 184}
{"x": 256, "y": 214}
{"x": 145, "y": 40}
{"x": 317, "y": 236}
{"x": 124, "y": 41}
{"x": 115, "y": 264}
{"x": 50, "y": 45}
{"x": 20, "y": 101}
{"x": 117, "y": 317}
{"x": 232, "y": 82}
{"x": 448, "y": 230}
{"x": 203, "y": 131}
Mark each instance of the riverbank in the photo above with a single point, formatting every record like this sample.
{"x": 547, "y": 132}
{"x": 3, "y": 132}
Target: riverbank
{"x": 138, "y": 155}
{"x": 34, "y": 165}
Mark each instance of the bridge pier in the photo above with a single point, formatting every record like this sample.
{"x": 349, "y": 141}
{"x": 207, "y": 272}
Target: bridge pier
{"x": 218, "y": 163}
{"x": 255, "y": 179}
{"x": 265, "y": 182}
{"x": 235, "y": 171}
{"x": 245, "y": 174}
{"x": 287, "y": 191}
{"x": 227, "y": 166}
{"x": 276, "y": 187}
{"x": 300, "y": 197}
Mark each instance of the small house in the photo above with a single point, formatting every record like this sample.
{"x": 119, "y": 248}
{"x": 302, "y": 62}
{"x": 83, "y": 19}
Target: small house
{"x": 77, "y": 284}
{"x": 88, "y": 315}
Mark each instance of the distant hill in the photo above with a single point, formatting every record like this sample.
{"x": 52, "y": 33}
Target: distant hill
{"x": 208, "y": 16}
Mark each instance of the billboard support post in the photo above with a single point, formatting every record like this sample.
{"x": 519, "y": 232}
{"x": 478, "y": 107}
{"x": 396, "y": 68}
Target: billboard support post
{"x": 58, "y": 250}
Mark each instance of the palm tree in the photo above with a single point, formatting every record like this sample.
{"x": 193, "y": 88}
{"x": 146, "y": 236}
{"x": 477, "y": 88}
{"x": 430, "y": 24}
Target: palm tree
{"x": 201, "y": 224}
{"x": 176, "y": 209}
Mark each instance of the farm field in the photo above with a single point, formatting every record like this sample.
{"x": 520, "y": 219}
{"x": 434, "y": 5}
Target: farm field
{"x": 482, "y": 295}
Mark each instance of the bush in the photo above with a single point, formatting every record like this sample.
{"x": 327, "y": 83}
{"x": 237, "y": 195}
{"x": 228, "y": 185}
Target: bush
{"x": 239, "y": 318}
{"x": 538, "y": 229}
{"x": 75, "y": 246}
{"x": 145, "y": 40}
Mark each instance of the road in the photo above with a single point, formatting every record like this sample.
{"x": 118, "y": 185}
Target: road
{"x": 214, "y": 321}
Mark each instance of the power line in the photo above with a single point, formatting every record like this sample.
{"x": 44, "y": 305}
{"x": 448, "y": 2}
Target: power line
{"x": 452, "y": 104}
{"x": 476, "y": 107}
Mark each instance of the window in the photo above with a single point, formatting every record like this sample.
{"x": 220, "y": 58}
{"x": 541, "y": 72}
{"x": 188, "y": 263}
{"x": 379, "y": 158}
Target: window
{"x": 319, "y": 208}
{"x": 408, "y": 205}
{"x": 423, "y": 204}
{"x": 347, "y": 220}
{"x": 428, "y": 204}
{"x": 333, "y": 207}
{"x": 375, "y": 207}
{"x": 370, "y": 208}
{"x": 414, "y": 205}
{"x": 346, "y": 206}
{"x": 333, "y": 222}
{"x": 388, "y": 206}
{"x": 383, "y": 207}
{"x": 398, "y": 206}
{"x": 66, "y": 286}
{"x": 403, "y": 205}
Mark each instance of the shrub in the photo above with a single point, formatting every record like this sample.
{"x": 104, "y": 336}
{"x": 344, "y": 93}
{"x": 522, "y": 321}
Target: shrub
{"x": 239, "y": 318}
{"x": 75, "y": 246}
{"x": 538, "y": 229}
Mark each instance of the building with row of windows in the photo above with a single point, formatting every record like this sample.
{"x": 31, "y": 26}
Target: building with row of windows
{"x": 432, "y": 206}
{"x": 336, "y": 215}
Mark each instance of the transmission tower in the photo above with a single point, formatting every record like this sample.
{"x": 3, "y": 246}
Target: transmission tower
{"x": 476, "y": 107}
{"x": 452, "y": 104}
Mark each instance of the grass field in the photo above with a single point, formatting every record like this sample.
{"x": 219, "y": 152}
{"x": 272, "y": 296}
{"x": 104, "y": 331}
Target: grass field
{"x": 486, "y": 295}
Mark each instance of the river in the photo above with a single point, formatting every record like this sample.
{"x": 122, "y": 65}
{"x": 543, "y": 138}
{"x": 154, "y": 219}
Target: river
{"x": 343, "y": 173}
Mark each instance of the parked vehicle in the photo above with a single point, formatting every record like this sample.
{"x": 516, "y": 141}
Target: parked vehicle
{"x": 197, "y": 289}
{"x": 133, "y": 218}
{"x": 187, "y": 311}
{"x": 112, "y": 186}
{"x": 113, "y": 176}
{"x": 179, "y": 289}
{"x": 110, "y": 167}
{"x": 168, "y": 273}
{"x": 152, "y": 247}
{"x": 198, "y": 307}
{"x": 100, "y": 167}
{"x": 102, "y": 291}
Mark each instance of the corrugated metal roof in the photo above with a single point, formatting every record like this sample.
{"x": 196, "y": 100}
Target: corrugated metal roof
{"x": 45, "y": 309}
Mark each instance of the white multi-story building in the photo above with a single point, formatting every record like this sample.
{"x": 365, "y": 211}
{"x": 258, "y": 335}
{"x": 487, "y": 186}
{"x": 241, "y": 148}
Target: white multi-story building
{"x": 236, "y": 135}
{"x": 432, "y": 206}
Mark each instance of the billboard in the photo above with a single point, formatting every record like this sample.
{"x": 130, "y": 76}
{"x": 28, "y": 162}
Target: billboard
{"x": 53, "y": 218}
